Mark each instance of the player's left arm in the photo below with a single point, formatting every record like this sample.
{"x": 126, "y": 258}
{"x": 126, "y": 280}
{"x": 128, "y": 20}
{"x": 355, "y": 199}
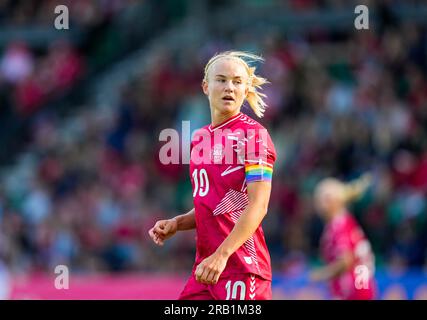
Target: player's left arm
{"x": 210, "y": 269}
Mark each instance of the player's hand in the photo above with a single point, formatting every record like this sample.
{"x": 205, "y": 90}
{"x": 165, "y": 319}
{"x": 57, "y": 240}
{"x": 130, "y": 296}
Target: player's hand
{"x": 210, "y": 269}
{"x": 316, "y": 275}
{"x": 163, "y": 230}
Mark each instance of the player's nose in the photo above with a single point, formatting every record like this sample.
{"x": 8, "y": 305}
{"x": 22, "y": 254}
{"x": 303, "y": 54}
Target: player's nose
{"x": 229, "y": 87}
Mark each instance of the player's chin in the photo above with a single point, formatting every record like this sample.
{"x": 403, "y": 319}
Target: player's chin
{"x": 228, "y": 106}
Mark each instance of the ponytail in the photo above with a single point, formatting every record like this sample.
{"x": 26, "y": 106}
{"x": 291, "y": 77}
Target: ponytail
{"x": 355, "y": 189}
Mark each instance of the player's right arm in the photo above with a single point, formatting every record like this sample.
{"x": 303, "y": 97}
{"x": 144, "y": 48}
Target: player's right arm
{"x": 334, "y": 269}
{"x": 164, "y": 229}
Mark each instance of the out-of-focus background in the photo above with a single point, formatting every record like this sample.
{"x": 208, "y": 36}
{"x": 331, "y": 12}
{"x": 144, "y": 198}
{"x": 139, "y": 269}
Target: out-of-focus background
{"x": 81, "y": 111}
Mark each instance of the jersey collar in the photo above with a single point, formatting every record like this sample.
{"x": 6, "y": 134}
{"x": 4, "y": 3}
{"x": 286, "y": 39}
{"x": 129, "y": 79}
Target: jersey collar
{"x": 224, "y": 123}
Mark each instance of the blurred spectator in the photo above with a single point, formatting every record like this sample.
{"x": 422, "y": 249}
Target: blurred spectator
{"x": 17, "y": 62}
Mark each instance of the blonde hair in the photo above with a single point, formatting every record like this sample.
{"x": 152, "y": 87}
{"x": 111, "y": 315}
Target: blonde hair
{"x": 255, "y": 82}
{"x": 355, "y": 189}
{"x": 346, "y": 192}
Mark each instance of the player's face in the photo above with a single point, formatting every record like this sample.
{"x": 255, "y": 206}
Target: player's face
{"x": 328, "y": 198}
{"x": 226, "y": 87}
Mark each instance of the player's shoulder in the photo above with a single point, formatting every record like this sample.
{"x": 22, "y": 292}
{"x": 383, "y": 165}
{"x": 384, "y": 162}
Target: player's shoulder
{"x": 248, "y": 122}
{"x": 199, "y": 134}
{"x": 202, "y": 130}
{"x": 345, "y": 223}
{"x": 351, "y": 221}
{"x": 257, "y": 132}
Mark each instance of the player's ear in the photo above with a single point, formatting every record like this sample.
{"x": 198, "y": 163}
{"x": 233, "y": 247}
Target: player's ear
{"x": 205, "y": 87}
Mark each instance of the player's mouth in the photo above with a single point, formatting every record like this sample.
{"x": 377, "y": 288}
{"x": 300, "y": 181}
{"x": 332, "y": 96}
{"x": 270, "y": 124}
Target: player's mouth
{"x": 228, "y": 98}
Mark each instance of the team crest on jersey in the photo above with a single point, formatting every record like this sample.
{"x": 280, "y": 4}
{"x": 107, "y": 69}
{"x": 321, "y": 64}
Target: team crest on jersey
{"x": 217, "y": 153}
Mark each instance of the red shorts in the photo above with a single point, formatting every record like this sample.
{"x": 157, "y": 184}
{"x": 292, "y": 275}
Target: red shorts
{"x": 235, "y": 287}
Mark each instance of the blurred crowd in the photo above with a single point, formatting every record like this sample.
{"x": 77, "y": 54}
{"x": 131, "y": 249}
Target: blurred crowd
{"x": 87, "y": 189}
{"x": 31, "y": 76}
{"x": 30, "y": 80}
{"x": 21, "y": 13}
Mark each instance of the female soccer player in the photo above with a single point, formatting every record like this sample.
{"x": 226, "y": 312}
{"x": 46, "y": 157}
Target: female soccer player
{"x": 231, "y": 170}
{"x": 344, "y": 247}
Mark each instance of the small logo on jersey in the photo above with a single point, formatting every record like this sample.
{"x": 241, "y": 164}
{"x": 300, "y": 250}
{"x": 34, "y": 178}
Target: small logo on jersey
{"x": 245, "y": 119}
{"x": 252, "y": 288}
{"x": 217, "y": 153}
{"x": 248, "y": 260}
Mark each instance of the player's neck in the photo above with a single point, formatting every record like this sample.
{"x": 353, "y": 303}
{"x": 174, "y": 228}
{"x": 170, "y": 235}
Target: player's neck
{"x": 336, "y": 213}
{"x": 219, "y": 118}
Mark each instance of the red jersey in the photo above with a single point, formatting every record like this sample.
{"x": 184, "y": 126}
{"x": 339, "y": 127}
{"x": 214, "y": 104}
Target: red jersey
{"x": 341, "y": 235}
{"x": 224, "y": 159}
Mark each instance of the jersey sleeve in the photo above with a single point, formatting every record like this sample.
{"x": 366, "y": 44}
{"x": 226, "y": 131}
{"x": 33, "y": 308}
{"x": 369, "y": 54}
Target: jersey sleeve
{"x": 259, "y": 157}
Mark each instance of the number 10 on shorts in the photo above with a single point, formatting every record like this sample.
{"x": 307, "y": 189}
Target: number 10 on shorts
{"x": 232, "y": 290}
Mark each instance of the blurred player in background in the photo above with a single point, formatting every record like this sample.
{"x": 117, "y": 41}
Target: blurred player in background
{"x": 230, "y": 198}
{"x": 344, "y": 247}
